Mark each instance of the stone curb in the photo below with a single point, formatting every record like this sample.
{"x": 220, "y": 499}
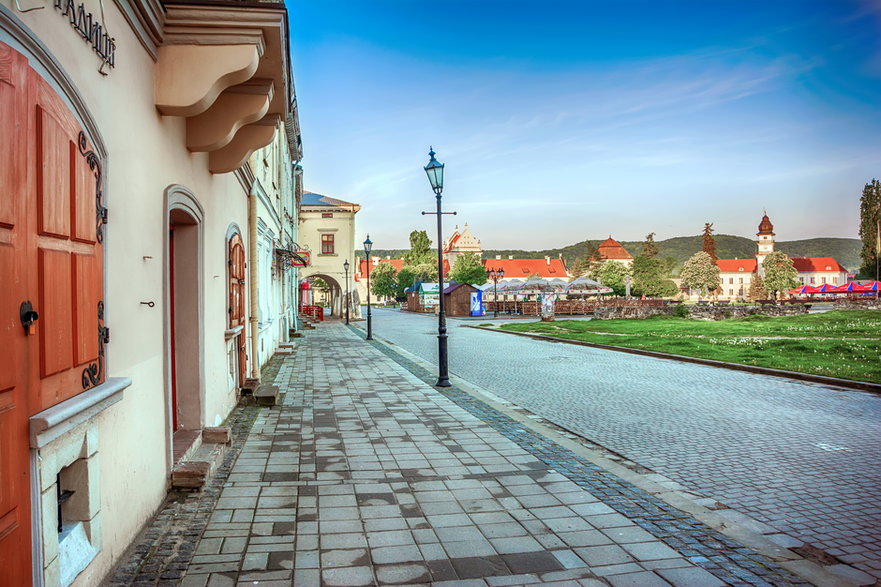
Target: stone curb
{"x": 864, "y": 386}
{"x": 801, "y": 567}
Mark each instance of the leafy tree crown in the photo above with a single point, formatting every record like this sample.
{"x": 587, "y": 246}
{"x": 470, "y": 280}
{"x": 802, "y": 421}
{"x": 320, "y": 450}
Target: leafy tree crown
{"x": 468, "y": 268}
{"x": 700, "y": 272}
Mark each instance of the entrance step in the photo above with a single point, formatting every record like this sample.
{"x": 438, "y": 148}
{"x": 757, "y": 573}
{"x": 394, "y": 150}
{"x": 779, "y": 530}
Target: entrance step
{"x": 266, "y": 395}
{"x": 250, "y": 385}
{"x": 196, "y": 471}
{"x": 184, "y": 443}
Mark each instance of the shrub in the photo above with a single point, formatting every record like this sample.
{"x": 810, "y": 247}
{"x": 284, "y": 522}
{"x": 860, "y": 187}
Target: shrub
{"x": 681, "y": 311}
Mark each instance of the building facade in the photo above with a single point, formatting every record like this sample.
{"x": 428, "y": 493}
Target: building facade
{"x": 327, "y": 232}
{"x": 736, "y": 275}
{"x": 127, "y": 254}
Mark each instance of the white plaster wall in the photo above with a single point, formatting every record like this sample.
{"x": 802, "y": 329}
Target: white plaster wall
{"x": 146, "y": 153}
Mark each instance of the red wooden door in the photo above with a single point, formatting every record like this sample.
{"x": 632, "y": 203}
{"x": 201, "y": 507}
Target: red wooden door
{"x": 237, "y": 299}
{"x": 67, "y": 252}
{"x": 15, "y": 523}
{"x": 51, "y": 256}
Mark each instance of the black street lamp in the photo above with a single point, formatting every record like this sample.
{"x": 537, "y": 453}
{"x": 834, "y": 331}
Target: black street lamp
{"x": 368, "y": 244}
{"x": 435, "y": 172}
{"x": 495, "y": 275}
{"x": 346, "y": 269}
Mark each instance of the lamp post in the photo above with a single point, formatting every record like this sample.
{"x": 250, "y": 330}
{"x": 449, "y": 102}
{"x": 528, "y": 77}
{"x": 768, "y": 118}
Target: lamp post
{"x": 346, "y": 269}
{"x": 435, "y": 171}
{"x": 368, "y": 244}
{"x": 495, "y": 275}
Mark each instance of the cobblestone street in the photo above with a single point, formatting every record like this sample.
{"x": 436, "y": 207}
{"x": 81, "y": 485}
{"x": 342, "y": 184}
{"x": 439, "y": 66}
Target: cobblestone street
{"x": 808, "y": 469}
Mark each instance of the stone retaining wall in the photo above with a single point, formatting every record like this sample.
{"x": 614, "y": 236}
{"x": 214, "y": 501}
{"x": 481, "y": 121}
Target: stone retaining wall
{"x": 698, "y": 312}
{"x": 858, "y": 305}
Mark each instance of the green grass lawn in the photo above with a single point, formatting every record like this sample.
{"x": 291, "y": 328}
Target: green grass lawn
{"x": 840, "y": 343}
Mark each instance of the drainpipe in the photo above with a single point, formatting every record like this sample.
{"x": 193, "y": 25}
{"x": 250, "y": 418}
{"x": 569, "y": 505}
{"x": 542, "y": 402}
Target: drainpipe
{"x": 253, "y": 276}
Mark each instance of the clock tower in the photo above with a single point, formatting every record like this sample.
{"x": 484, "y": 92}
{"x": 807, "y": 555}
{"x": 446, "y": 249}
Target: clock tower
{"x": 765, "y": 242}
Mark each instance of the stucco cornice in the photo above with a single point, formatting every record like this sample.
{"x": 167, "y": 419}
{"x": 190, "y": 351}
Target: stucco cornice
{"x": 146, "y": 19}
{"x": 226, "y": 68}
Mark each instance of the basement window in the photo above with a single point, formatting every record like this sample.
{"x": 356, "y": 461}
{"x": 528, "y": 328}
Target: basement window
{"x": 75, "y": 549}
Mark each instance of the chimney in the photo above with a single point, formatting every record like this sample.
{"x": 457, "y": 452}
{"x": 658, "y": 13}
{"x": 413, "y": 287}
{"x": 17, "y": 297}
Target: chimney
{"x": 388, "y": 257}
{"x": 498, "y": 257}
{"x": 375, "y": 261}
{"x": 548, "y": 260}
{"x": 510, "y": 257}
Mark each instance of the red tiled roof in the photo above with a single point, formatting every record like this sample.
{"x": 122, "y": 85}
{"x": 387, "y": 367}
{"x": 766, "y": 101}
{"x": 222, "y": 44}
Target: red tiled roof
{"x": 612, "y": 249}
{"x": 801, "y": 265}
{"x": 396, "y": 263}
{"x": 737, "y": 265}
{"x": 817, "y": 264}
{"x": 522, "y": 268}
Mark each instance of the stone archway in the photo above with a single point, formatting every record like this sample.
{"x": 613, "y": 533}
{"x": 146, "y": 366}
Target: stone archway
{"x": 333, "y": 297}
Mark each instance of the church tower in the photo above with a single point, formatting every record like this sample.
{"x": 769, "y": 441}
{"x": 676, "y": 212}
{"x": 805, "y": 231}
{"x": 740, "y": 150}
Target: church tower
{"x": 765, "y": 242}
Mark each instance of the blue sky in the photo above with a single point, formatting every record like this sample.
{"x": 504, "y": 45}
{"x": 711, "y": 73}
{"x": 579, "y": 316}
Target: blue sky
{"x": 565, "y": 121}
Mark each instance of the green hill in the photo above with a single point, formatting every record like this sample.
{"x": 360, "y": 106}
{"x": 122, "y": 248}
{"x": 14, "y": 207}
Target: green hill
{"x": 845, "y": 250}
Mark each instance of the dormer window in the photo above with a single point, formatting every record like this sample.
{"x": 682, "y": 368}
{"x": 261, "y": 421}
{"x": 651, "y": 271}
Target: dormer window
{"x": 828, "y": 268}
{"x": 740, "y": 268}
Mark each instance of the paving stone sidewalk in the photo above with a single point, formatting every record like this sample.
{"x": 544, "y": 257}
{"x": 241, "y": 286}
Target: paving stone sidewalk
{"x": 367, "y": 475}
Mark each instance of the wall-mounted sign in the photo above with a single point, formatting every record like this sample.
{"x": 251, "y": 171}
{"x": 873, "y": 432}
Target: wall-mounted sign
{"x": 300, "y": 259}
{"x": 89, "y": 29}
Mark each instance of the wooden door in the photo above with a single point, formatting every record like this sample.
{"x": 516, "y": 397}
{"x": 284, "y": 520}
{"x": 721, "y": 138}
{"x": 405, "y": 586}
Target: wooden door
{"x": 15, "y": 523}
{"x": 67, "y": 252}
{"x": 51, "y": 226}
{"x": 237, "y": 300}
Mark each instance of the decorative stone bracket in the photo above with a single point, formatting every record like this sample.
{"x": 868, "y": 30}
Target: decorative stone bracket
{"x": 224, "y": 69}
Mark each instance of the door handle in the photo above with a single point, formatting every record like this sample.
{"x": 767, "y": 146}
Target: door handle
{"x": 28, "y": 316}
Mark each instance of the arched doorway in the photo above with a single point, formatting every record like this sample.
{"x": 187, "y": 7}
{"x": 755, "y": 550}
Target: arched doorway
{"x": 184, "y": 320}
{"x": 324, "y": 290}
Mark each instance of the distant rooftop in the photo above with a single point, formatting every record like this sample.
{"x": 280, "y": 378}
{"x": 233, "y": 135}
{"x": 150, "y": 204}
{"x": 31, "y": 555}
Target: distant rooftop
{"x": 313, "y": 199}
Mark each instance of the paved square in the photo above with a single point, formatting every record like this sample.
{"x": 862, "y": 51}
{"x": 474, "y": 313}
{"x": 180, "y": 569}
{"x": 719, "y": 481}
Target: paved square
{"x": 366, "y": 475}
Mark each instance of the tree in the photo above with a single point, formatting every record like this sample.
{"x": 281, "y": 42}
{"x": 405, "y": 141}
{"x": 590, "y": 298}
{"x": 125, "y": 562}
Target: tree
{"x": 406, "y": 278}
{"x": 648, "y": 278}
{"x": 588, "y": 261}
{"x": 710, "y": 242}
{"x": 650, "y": 247}
{"x": 700, "y": 272}
{"x": 780, "y": 273}
{"x": 420, "y": 249}
{"x": 669, "y": 264}
{"x": 612, "y": 274}
{"x": 468, "y": 268}
{"x": 382, "y": 281}
{"x": 870, "y": 216}
{"x": 757, "y": 289}
{"x": 425, "y": 271}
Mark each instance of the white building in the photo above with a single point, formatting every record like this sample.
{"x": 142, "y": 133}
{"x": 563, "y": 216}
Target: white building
{"x": 737, "y": 274}
{"x": 126, "y": 219}
{"x": 327, "y": 232}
